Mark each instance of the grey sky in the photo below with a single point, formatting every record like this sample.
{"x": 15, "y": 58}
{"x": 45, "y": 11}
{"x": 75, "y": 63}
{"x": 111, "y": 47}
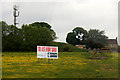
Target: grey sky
{"x": 64, "y": 15}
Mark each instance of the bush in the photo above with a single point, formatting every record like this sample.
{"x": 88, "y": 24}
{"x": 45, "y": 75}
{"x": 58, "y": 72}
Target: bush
{"x": 59, "y": 45}
{"x": 76, "y": 49}
{"x": 64, "y": 47}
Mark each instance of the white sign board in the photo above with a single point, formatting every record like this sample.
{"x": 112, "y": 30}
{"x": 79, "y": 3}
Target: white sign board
{"x": 47, "y": 52}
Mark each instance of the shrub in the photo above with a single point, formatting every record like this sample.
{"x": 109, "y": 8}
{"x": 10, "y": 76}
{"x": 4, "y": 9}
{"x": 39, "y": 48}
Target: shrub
{"x": 66, "y": 48}
{"x": 63, "y": 47}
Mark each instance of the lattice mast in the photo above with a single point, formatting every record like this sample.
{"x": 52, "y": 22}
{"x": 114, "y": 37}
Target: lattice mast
{"x": 16, "y": 14}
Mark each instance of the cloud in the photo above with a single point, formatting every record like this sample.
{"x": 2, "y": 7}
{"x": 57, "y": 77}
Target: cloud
{"x": 67, "y": 14}
{"x": 87, "y": 15}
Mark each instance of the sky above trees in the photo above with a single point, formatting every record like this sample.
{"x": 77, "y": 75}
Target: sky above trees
{"x": 65, "y": 15}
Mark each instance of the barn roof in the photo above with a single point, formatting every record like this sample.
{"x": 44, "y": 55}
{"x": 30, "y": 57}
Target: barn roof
{"x": 112, "y": 41}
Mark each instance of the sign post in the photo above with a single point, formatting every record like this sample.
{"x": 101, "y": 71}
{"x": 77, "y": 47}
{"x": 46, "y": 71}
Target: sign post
{"x": 38, "y": 60}
{"x": 48, "y": 60}
{"x": 49, "y": 52}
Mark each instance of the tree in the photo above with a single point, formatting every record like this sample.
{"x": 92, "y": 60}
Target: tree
{"x": 78, "y": 36}
{"x": 81, "y": 34}
{"x": 41, "y": 24}
{"x": 80, "y": 30}
{"x": 71, "y": 39}
{"x": 11, "y": 39}
{"x": 96, "y": 39}
{"x": 4, "y": 33}
{"x": 44, "y": 24}
{"x": 25, "y": 38}
{"x": 34, "y": 36}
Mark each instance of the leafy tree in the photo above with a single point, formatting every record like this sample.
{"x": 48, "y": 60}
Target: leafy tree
{"x": 96, "y": 39}
{"x": 44, "y": 24}
{"x": 41, "y": 24}
{"x": 71, "y": 39}
{"x": 72, "y": 36}
{"x": 25, "y": 38}
{"x": 10, "y": 37}
{"x": 4, "y": 32}
{"x": 34, "y": 36}
{"x": 80, "y": 30}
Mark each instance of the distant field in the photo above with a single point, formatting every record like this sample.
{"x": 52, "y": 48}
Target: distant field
{"x": 68, "y": 65}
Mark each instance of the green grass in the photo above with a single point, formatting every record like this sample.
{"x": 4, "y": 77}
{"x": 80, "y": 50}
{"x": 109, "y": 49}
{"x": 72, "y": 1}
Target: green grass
{"x": 0, "y": 65}
{"x": 68, "y": 65}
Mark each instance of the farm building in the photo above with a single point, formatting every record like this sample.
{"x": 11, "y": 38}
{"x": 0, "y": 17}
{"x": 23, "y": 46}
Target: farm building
{"x": 113, "y": 44}
{"x": 80, "y": 46}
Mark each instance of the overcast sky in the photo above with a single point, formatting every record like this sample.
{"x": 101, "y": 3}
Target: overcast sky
{"x": 65, "y": 15}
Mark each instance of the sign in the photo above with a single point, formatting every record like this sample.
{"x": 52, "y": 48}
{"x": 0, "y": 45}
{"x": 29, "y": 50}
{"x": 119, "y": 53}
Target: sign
{"x": 47, "y": 52}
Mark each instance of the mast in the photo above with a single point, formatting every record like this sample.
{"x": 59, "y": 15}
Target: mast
{"x": 16, "y": 14}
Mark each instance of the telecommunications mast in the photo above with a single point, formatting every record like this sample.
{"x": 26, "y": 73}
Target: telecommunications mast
{"x": 15, "y": 14}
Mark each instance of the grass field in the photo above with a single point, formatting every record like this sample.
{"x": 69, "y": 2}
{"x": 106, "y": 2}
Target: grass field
{"x": 68, "y": 65}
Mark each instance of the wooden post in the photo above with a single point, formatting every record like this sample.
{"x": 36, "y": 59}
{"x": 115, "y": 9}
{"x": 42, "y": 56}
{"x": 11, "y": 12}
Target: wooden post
{"x": 51, "y": 60}
{"x": 45, "y": 60}
{"x": 48, "y": 60}
{"x": 38, "y": 60}
{"x": 41, "y": 60}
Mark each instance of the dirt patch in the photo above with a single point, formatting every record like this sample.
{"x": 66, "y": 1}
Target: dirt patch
{"x": 97, "y": 58}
